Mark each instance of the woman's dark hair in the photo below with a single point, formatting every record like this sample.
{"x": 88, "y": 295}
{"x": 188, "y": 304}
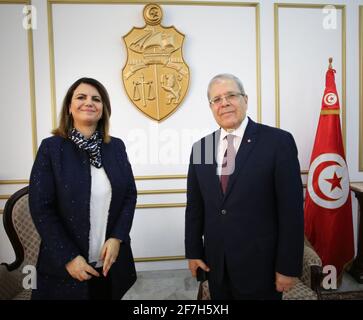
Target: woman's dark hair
{"x": 66, "y": 119}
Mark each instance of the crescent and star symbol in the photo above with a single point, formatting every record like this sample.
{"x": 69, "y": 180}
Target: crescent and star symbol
{"x": 335, "y": 182}
{"x": 328, "y": 181}
{"x": 330, "y": 99}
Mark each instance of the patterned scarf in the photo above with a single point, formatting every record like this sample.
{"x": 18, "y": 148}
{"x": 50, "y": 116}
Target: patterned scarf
{"x": 91, "y": 145}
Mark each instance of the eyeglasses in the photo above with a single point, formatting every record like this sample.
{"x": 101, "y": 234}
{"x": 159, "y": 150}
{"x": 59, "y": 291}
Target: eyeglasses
{"x": 230, "y": 97}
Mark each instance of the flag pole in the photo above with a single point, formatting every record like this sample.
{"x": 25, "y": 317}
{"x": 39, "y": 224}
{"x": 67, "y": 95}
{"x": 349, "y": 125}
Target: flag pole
{"x": 328, "y": 219}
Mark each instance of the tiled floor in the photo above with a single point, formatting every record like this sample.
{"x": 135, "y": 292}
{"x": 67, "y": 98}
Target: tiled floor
{"x": 349, "y": 284}
{"x": 179, "y": 285}
{"x": 163, "y": 285}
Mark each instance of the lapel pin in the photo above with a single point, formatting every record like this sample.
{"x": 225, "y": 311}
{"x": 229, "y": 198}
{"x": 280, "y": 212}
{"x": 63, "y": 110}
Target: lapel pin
{"x": 249, "y": 140}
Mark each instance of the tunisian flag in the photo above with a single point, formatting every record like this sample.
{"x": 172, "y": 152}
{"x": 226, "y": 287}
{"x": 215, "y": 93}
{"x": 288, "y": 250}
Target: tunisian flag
{"x": 328, "y": 207}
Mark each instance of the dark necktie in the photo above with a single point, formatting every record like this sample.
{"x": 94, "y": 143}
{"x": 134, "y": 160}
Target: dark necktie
{"x": 228, "y": 162}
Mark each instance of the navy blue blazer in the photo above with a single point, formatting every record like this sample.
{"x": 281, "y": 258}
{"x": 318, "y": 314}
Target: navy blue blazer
{"x": 59, "y": 200}
{"x": 257, "y": 227}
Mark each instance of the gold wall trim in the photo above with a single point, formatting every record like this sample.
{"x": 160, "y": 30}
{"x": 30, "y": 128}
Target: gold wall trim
{"x": 138, "y": 178}
{"x": 344, "y": 72}
{"x": 161, "y": 177}
{"x": 21, "y": 181}
{"x": 1, "y": 211}
{"x": 14, "y": 2}
{"x": 256, "y": 5}
{"x": 258, "y": 63}
{"x": 33, "y": 109}
{"x": 164, "y": 258}
{"x": 160, "y": 205}
{"x": 5, "y": 196}
{"x": 52, "y": 65}
{"x": 33, "y": 119}
{"x": 166, "y": 2}
{"x": 156, "y": 205}
{"x": 165, "y": 191}
{"x": 277, "y": 56}
{"x": 308, "y": 5}
{"x": 277, "y": 65}
{"x": 360, "y": 89}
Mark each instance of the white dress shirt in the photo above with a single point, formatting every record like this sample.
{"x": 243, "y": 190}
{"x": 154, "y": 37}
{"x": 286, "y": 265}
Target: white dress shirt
{"x": 222, "y": 145}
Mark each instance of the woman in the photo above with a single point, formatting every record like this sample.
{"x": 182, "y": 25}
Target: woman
{"x": 82, "y": 198}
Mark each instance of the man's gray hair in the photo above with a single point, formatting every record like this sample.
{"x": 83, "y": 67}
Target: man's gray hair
{"x": 226, "y": 76}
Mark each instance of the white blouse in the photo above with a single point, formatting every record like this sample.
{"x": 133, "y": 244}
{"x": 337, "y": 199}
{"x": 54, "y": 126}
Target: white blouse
{"x": 99, "y": 207}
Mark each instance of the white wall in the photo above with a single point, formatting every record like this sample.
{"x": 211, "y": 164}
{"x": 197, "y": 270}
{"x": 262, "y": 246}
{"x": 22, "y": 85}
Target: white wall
{"x": 85, "y": 39}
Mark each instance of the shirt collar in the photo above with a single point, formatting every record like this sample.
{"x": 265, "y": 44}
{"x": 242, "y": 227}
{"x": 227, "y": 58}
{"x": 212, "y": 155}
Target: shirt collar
{"x": 239, "y": 132}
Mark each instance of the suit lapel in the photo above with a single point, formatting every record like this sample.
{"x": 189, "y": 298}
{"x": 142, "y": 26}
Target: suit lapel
{"x": 109, "y": 163}
{"x": 248, "y": 142}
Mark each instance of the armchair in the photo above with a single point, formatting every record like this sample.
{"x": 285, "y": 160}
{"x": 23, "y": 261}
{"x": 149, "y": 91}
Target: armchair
{"x": 308, "y": 285}
{"x": 25, "y": 240}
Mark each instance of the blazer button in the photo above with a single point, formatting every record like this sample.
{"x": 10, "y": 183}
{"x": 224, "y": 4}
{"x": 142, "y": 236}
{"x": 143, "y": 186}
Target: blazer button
{"x": 224, "y": 211}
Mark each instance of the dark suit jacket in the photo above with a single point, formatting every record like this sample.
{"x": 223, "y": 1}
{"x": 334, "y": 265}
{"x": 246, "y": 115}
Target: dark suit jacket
{"x": 59, "y": 199}
{"x": 256, "y": 228}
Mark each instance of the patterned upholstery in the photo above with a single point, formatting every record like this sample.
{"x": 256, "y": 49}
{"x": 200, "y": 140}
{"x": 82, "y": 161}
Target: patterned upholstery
{"x": 310, "y": 258}
{"x": 203, "y": 293}
{"x": 302, "y": 289}
{"x": 18, "y": 215}
{"x": 26, "y": 231}
{"x": 300, "y": 292}
{"x": 10, "y": 283}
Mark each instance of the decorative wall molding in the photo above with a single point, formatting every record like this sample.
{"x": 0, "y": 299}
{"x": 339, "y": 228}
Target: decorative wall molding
{"x": 360, "y": 160}
{"x": 33, "y": 119}
{"x": 277, "y": 6}
{"x": 50, "y": 4}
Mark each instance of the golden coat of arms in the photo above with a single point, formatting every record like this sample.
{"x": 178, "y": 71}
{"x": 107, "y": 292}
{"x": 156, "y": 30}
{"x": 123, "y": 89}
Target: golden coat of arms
{"x": 155, "y": 76}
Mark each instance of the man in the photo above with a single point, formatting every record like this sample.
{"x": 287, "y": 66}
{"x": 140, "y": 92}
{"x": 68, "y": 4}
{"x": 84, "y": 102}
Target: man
{"x": 244, "y": 217}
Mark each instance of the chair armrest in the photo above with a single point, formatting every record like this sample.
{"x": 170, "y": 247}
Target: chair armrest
{"x": 10, "y": 283}
{"x": 300, "y": 292}
{"x": 203, "y": 292}
{"x": 311, "y": 258}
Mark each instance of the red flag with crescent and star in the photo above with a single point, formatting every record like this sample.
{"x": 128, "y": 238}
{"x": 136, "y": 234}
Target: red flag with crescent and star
{"x": 328, "y": 207}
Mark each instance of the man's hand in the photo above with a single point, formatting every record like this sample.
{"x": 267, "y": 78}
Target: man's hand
{"x": 109, "y": 253}
{"x": 284, "y": 283}
{"x": 80, "y": 270}
{"x": 194, "y": 264}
